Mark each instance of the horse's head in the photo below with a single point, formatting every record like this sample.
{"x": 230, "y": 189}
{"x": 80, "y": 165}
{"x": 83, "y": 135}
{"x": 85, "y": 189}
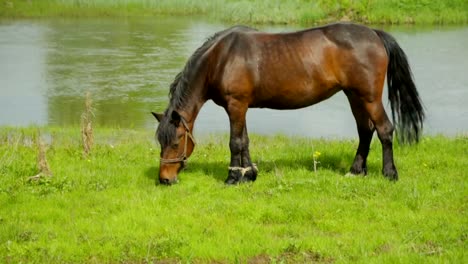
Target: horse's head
{"x": 176, "y": 142}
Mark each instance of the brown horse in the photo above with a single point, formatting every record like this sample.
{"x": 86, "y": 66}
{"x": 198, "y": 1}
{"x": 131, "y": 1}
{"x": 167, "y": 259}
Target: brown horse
{"x": 241, "y": 68}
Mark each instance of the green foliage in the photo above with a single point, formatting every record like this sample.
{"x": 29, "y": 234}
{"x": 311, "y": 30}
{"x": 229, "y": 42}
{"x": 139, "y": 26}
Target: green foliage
{"x": 254, "y": 11}
{"x": 107, "y": 208}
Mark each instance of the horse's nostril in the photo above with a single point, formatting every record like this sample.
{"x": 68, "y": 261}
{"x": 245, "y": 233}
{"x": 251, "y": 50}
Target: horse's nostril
{"x": 164, "y": 181}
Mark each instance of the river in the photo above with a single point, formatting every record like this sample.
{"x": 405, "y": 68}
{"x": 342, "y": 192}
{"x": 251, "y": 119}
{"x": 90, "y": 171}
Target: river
{"x": 48, "y": 65}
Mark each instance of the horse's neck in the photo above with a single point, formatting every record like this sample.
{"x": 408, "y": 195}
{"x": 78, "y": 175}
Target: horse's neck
{"x": 197, "y": 96}
{"x": 192, "y": 108}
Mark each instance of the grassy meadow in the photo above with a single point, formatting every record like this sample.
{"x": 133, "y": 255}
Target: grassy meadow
{"x": 253, "y": 11}
{"x": 106, "y": 207}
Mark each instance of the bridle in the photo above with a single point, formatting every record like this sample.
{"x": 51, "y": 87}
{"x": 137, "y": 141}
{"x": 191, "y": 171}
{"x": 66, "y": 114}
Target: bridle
{"x": 182, "y": 159}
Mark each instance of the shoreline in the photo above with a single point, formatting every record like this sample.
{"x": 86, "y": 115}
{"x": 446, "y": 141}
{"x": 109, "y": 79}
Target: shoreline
{"x": 255, "y": 12}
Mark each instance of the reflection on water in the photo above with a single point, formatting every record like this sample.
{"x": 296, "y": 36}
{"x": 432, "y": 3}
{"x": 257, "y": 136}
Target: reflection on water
{"x": 47, "y": 66}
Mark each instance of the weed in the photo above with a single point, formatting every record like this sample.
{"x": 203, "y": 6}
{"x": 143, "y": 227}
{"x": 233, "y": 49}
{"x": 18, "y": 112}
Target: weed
{"x": 42, "y": 164}
{"x": 87, "y": 135}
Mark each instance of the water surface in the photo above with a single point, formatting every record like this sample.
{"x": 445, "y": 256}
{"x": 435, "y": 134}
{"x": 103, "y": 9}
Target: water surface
{"x": 47, "y": 66}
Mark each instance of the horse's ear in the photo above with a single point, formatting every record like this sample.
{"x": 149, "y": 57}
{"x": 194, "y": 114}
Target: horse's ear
{"x": 157, "y": 116}
{"x": 175, "y": 118}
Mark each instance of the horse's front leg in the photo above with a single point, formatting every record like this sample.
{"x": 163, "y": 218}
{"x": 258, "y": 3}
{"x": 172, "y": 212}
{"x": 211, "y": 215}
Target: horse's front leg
{"x": 240, "y": 168}
{"x": 250, "y": 168}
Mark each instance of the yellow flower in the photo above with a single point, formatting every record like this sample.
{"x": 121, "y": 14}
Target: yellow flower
{"x": 317, "y": 154}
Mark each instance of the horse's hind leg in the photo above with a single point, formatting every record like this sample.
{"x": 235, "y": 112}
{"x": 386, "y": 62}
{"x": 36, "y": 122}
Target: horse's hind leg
{"x": 385, "y": 132}
{"x": 240, "y": 168}
{"x": 365, "y": 129}
{"x": 384, "y": 128}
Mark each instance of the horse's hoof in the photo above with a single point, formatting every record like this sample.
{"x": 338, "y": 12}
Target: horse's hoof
{"x": 358, "y": 171}
{"x": 250, "y": 175}
{"x": 391, "y": 175}
{"x": 231, "y": 181}
{"x": 233, "y": 178}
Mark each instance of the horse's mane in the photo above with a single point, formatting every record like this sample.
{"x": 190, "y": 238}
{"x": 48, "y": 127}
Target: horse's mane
{"x": 180, "y": 89}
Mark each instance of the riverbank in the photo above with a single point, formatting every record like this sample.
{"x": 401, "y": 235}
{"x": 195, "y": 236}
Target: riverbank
{"x": 105, "y": 207}
{"x": 253, "y": 12}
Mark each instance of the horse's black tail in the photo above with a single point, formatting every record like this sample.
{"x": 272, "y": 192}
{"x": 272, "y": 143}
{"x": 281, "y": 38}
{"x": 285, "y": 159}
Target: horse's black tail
{"x": 407, "y": 109}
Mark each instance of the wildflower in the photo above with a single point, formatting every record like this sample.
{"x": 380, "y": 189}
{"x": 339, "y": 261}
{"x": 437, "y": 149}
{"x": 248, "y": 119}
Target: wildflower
{"x": 317, "y": 154}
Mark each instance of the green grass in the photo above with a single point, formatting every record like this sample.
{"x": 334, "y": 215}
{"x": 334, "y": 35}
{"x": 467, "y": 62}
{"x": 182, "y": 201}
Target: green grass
{"x": 254, "y": 11}
{"x": 107, "y": 208}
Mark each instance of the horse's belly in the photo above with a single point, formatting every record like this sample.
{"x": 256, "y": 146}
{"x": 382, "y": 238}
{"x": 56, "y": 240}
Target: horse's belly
{"x": 293, "y": 98}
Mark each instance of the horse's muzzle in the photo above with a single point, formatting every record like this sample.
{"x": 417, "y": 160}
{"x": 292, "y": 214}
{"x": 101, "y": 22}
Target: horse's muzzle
{"x": 166, "y": 181}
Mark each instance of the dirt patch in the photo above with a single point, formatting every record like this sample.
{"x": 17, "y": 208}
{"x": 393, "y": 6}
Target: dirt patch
{"x": 288, "y": 257}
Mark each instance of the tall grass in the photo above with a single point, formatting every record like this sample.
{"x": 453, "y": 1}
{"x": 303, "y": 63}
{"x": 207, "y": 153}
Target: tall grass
{"x": 254, "y": 11}
{"x": 107, "y": 208}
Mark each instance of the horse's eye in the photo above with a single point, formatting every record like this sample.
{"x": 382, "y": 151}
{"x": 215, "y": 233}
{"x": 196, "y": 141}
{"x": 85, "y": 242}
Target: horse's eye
{"x": 175, "y": 145}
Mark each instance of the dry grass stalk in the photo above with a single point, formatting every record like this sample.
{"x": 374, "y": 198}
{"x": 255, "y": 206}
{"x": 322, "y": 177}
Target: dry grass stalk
{"x": 42, "y": 164}
{"x": 87, "y": 136}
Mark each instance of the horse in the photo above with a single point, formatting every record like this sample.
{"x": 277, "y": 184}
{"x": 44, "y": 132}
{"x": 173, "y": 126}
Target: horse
{"x": 241, "y": 68}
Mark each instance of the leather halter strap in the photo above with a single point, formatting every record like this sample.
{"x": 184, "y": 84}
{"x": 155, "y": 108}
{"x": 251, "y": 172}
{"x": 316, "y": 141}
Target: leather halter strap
{"x": 183, "y": 159}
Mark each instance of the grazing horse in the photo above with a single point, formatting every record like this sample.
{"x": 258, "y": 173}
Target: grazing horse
{"x": 241, "y": 68}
